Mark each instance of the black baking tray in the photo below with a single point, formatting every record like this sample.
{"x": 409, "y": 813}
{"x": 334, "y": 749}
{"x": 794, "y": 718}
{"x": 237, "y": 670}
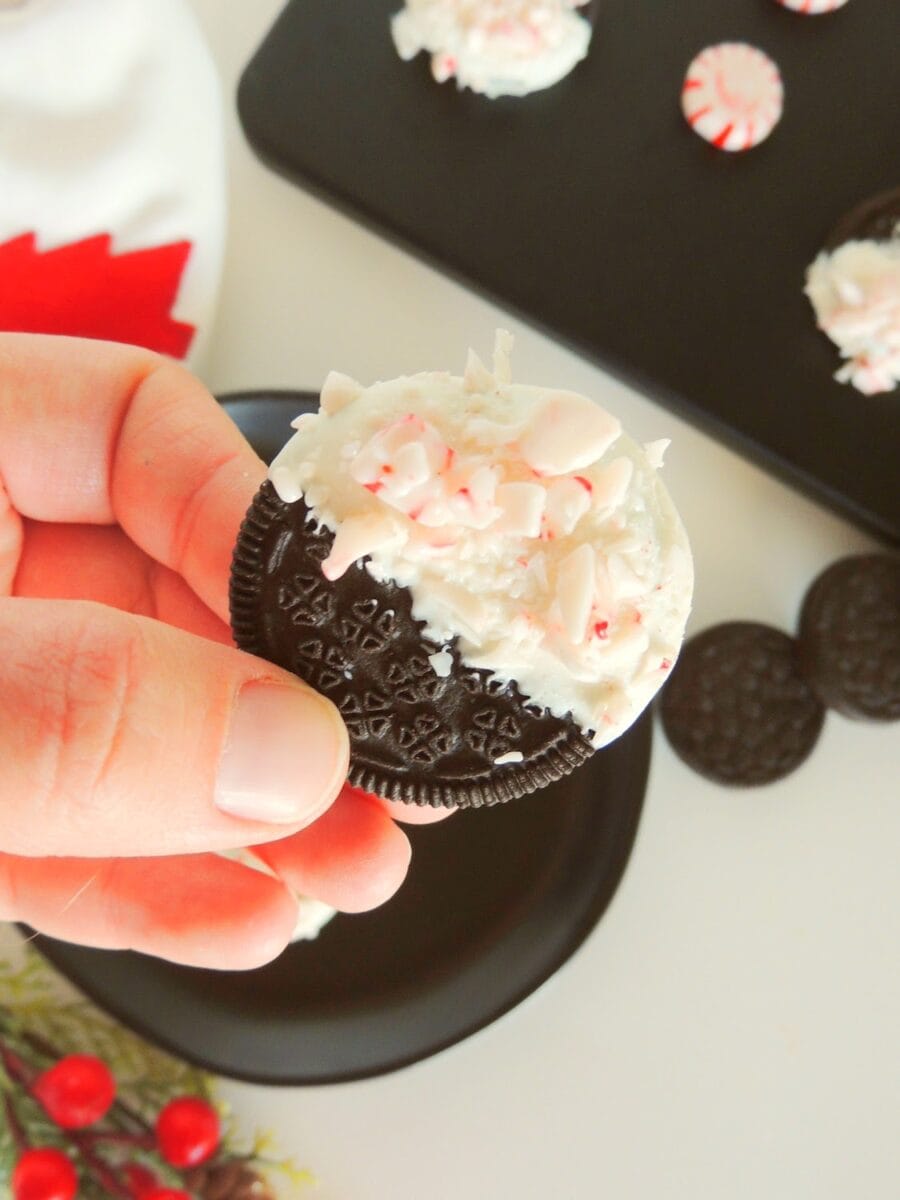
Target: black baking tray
{"x": 592, "y": 211}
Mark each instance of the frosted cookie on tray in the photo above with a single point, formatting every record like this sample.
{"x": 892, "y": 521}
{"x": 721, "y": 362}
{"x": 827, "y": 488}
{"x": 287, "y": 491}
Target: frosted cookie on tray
{"x": 854, "y": 288}
{"x": 488, "y": 579}
{"x": 738, "y": 710}
{"x": 495, "y": 47}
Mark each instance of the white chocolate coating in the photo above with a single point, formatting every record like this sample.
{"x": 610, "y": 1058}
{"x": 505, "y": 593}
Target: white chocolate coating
{"x": 495, "y": 47}
{"x": 523, "y": 522}
{"x": 855, "y": 291}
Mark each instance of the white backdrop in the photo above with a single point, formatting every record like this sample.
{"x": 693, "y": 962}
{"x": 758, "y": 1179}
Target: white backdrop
{"x": 731, "y": 1028}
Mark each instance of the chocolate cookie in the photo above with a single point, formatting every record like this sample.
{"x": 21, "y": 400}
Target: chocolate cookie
{"x": 849, "y": 638}
{"x": 737, "y": 709}
{"x": 462, "y": 738}
{"x": 875, "y": 219}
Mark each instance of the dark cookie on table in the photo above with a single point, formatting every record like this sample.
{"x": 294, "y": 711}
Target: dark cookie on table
{"x": 415, "y": 735}
{"x": 737, "y": 709}
{"x": 849, "y": 637}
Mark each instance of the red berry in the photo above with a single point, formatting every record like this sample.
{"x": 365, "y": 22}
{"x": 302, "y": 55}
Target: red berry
{"x": 163, "y": 1193}
{"x": 77, "y": 1091}
{"x": 139, "y": 1181}
{"x": 187, "y": 1131}
{"x": 44, "y": 1175}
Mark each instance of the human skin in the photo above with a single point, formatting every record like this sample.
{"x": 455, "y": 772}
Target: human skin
{"x": 131, "y": 729}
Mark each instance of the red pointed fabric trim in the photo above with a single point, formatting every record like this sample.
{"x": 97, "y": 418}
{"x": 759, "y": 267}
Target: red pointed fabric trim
{"x": 84, "y": 290}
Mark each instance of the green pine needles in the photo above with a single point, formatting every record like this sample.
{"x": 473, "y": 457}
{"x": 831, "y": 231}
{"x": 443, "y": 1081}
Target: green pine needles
{"x": 43, "y": 1019}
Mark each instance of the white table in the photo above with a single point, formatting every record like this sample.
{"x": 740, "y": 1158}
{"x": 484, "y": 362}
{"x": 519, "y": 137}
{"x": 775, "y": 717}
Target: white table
{"x": 731, "y": 1029}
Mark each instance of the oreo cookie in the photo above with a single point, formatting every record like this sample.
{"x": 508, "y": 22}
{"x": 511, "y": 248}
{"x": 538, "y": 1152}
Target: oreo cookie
{"x": 849, "y": 637}
{"x": 461, "y": 738}
{"x": 737, "y": 708}
{"x": 874, "y": 220}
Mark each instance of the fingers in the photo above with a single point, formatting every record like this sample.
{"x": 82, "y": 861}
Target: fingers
{"x": 10, "y": 541}
{"x": 99, "y": 562}
{"x": 121, "y": 736}
{"x": 415, "y": 814}
{"x": 353, "y": 857}
{"x": 200, "y": 910}
{"x": 96, "y": 433}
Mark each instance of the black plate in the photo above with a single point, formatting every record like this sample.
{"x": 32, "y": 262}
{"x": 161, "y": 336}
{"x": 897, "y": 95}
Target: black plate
{"x": 593, "y": 211}
{"x": 496, "y": 900}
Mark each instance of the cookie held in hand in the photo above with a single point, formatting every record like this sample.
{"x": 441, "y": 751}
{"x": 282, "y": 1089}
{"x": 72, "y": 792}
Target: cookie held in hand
{"x": 487, "y": 579}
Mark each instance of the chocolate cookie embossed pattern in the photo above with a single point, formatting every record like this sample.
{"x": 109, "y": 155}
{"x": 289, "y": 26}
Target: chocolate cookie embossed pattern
{"x": 738, "y": 709}
{"x": 849, "y": 638}
{"x": 414, "y": 735}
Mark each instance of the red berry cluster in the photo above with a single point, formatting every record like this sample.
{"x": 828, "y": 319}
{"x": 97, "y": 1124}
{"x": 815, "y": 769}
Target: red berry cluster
{"x": 44, "y": 1175}
{"x": 76, "y": 1093}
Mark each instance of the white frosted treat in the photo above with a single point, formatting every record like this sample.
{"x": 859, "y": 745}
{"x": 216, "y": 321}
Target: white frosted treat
{"x": 732, "y": 96}
{"x": 855, "y": 291}
{"x": 496, "y": 47}
{"x": 527, "y": 527}
{"x": 812, "y": 8}
{"x": 312, "y": 917}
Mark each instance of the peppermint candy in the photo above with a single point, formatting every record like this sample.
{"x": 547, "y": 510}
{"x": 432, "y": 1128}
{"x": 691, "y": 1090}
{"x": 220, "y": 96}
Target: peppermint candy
{"x": 733, "y": 96}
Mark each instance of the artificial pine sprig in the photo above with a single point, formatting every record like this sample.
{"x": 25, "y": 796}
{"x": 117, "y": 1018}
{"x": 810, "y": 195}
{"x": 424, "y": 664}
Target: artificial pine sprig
{"x": 156, "y": 1125}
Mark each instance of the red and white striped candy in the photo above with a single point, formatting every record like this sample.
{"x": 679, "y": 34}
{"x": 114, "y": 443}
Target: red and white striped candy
{"x": 732, "y": 95}
{"x": 812, "y": 7}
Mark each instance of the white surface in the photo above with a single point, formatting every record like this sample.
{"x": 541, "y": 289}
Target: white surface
{"x": 731, "y": 1028}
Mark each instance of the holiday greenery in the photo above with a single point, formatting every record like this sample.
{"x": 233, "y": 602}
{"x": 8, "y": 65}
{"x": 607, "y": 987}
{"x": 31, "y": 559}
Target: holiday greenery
{"x": 89, "y": 1109}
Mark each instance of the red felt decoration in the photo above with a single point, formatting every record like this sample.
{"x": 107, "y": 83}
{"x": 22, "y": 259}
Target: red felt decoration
{"x": 84, "y": 290}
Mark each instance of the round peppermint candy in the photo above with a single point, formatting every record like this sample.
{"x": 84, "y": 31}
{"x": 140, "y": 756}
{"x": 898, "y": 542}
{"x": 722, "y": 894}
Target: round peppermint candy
{"x": 732, "y": 95}
{"x": 812, "y": 8}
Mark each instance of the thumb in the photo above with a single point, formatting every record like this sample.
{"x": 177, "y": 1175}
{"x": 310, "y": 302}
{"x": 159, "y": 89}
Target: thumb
{"x": 122, "y": 736}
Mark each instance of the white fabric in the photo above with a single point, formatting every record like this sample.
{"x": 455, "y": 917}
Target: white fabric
{"x": 96, "y": 135}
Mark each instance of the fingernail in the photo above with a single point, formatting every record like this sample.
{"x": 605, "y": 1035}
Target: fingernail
{"x": 285, "y": 755}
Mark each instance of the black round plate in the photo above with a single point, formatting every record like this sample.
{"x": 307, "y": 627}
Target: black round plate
{"x": 495, "y": 902}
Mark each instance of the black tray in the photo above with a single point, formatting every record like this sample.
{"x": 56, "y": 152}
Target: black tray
{"x": 594, "y": 212}
{"x": 495, "y": 902}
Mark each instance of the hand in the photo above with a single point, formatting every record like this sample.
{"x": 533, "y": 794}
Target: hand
{"x": 135, "y": 741}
